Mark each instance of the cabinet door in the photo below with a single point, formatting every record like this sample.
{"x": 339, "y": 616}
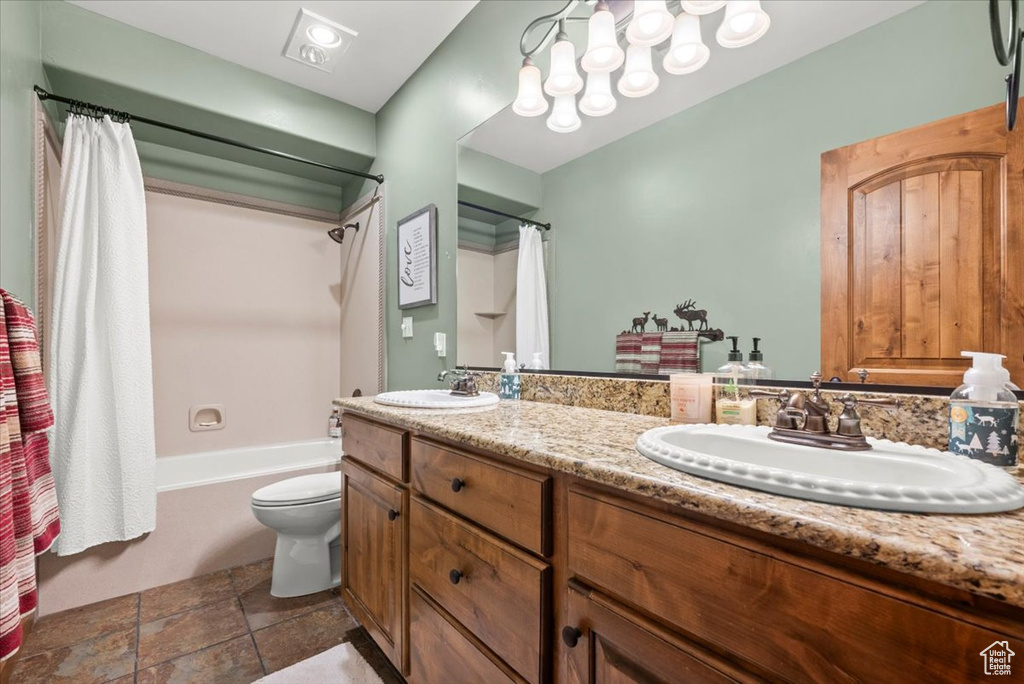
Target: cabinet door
{"x": 373, "y": 571}
{"x": 608, "y": 644}
{"x": 923, "y": 251}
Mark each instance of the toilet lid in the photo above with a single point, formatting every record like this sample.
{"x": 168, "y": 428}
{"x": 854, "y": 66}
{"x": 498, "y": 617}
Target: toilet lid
{"x": 300, "y": 490}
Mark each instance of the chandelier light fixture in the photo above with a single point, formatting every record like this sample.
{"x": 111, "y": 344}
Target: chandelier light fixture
{"x": 630, "y": 33}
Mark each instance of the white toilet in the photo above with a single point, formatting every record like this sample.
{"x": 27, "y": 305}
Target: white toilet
{"x": 305, "y": 512}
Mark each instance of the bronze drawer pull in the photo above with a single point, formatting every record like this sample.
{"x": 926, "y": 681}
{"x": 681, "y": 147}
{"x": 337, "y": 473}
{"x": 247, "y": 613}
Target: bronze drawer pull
{"x": 457, "y": 484}
{"x": 455, "y": 576}
{"x": 392, "y": 514}
{"x": 571, "y": 636}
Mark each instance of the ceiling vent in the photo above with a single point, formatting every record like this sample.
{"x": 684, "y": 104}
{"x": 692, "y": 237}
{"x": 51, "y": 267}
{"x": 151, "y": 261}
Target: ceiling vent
{"x": 318, "y": 42}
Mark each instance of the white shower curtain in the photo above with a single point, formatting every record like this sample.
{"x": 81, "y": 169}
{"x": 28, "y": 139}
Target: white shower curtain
{"x": 101, "y": 377}
{"x": 531, "y": 299}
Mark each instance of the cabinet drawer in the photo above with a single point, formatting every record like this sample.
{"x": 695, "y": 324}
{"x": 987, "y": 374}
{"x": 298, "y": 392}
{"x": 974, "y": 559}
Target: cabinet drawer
{"x": 442, "y": 653}
{"x": 498, "y": 593}
{"x": 785, "y": 618}
{"x": 378, "y": 446}
{"x": 514, "y": 504}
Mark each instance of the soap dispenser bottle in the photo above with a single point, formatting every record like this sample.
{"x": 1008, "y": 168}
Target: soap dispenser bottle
{"x": 510, "y": 386}
{"x": 334, "y": 425}
{"x": 983, "y": 413}
{"x": 756, "y": 370}
{"x": 730, "y": 408}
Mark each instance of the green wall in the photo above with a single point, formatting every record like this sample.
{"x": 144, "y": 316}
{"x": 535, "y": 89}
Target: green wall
{"x": 515, "y": 188}
{"x": 124, "y": 63}
{"x": 720, "y": 203}
{"x": 20, "y": 68}
{"x": 469, "y": 78}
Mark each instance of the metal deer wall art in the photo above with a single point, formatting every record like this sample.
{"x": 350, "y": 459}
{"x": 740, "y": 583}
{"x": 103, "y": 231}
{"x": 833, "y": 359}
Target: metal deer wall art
{"x": 692, "y": 319}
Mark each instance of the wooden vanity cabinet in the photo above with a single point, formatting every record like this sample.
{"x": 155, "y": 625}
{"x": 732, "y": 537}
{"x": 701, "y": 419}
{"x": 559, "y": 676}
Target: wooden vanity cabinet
{"x": 373, "y": 529}
{"x": 784, "y": 616}
{"x": 374, "y": 524}
{"x": 478, "y": 532}
{"x": 478, "y": 570}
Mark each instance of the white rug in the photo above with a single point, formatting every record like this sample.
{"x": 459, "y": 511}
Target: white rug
{"x": 340, "y": 665}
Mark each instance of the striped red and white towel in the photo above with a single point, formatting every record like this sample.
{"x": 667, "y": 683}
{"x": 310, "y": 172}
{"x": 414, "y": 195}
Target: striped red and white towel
{"x": 29, "y": 519}
{"x": 650, "y": 353}
{"x": 627, "y": 353}
{"x": 680, "y": 353}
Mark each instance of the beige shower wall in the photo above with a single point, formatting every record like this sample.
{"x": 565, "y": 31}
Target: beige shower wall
{"x": 245, "y": 308}
{"x": 486, "y": 282}
{"x": 505, "y": 267}
{"x": 475, "y": 281}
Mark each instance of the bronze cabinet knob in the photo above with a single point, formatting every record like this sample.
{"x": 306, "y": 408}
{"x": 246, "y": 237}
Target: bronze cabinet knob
{"x": 458, "y": 484}
{"x": 455, "y": 576}
{"x": 392, "y": 514}
{"x": 571, "y": 636}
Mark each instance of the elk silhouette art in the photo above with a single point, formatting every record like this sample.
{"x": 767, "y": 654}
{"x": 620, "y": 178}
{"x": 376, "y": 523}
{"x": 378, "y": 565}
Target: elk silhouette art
{"x": 660, "y": 323}
{"x": 986, "y": 420}
{"x": 640, "y": 322}
{"x": 688, "y": 312}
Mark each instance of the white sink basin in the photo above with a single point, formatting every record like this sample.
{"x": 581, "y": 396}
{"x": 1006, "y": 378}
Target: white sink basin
{"x": 434, "y": 399}
{"x": 891, "y": 476}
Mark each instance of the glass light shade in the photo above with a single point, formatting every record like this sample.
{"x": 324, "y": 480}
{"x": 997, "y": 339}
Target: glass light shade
{"x": 324, "y": 36}
{"x": 603, "y": 52}
{"x": 597, "y": 100}
{"x": 687, "y": 52}
{"x": 639, "y": 78}
{"x": 563, "y": 79}
{"x": 530, "y": 101}
{"x": 651, "y": 23}
{"x": 701, "y": 6}
{"x": 744, "y": 23}
{"x": 564, "y": 118}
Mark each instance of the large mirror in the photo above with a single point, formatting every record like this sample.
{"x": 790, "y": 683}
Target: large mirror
{"x": 818, "y": 190}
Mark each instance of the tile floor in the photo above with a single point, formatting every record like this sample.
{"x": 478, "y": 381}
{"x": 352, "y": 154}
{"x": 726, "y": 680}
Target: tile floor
{"x": 222, "y": 628}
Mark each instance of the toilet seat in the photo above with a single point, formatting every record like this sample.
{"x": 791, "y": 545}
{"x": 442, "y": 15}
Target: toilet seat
{"x": 304, "y": 489}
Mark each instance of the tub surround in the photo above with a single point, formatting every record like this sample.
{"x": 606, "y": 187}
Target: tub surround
{"x": 971, "y": 553}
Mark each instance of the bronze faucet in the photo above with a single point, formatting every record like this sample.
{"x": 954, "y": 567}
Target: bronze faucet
{"x": 463, "y": 381}
{"x": 813, "y": 429}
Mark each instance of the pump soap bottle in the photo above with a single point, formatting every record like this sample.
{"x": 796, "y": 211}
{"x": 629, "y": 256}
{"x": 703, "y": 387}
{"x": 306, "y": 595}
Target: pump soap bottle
{"x": 756, "y": 370}
{"x": 730, "y": 408}
{"x": 509, "y": 386}
{"x": 983, "y": 413}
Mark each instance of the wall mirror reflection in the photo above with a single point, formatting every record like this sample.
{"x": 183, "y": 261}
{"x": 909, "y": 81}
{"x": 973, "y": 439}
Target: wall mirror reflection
{"x": 843, "y": 189}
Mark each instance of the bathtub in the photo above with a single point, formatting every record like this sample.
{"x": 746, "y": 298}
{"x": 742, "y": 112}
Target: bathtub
{"x": 225, "y": 465}
{"x": 204, "y": 524}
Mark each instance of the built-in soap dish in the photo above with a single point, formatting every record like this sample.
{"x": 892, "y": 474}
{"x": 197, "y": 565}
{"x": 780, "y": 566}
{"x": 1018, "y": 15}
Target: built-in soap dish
{"x": 206, "y": 417}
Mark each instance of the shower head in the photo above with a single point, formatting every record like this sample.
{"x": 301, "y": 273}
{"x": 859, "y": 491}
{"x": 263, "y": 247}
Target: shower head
{"x": 338, "y": 234}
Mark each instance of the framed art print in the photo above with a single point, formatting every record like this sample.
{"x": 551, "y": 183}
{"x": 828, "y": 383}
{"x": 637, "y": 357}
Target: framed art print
{"x": 417, "y": 258}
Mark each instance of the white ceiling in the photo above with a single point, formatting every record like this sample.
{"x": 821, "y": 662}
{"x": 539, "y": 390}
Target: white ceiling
{"x": 798, "y": 27}
{"x": 395, "y": 37}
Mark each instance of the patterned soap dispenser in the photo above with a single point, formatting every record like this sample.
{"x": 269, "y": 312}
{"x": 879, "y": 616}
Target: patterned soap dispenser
{"x": 509, "y": 385}
{"x": 983, "y": 413}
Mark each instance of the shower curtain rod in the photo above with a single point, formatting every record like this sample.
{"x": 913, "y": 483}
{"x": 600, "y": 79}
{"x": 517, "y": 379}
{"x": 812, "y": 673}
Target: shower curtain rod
{"x": 538, "y": 224}
{"x": 44, "y": 95}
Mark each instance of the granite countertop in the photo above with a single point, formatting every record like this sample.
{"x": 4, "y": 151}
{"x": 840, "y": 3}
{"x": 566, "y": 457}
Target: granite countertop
{"x": 982, "y": 554}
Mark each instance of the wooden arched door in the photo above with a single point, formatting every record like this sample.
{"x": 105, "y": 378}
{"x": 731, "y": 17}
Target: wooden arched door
{"x": 923, "y": 251}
